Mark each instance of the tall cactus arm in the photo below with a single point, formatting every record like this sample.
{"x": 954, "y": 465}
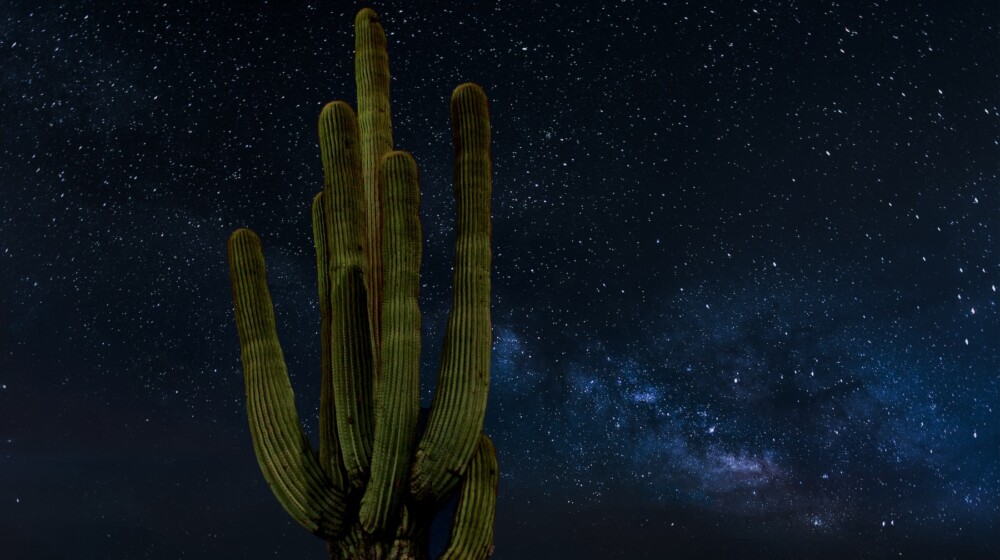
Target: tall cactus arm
{"x": 289, "y": 464}
{"x": 472, "y": 527}
{"x": 371, "y": 70}
{"x": 398, "y": 398}
{"x": 350, "y": 344}
{"x": 456, "y": 419}
{"x": 329, "y": 441}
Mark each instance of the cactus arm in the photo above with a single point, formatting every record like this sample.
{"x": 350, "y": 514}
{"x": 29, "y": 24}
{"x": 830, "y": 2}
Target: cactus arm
{"x": 371, "y": 70}
{"x": 456, "y": 419}
{"x": 329, "y": 442}
{"x": 350, "y": 345}
{"x": 289, "y": 464}
{"x": 472, "y": 527}
{"x": 398, "y": 396}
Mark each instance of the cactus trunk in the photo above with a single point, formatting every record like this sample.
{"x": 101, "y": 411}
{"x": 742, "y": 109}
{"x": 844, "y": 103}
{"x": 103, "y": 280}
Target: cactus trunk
{"x": 375, "y": 483}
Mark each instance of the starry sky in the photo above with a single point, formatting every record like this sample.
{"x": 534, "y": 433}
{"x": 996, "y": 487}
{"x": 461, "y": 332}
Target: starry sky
{"x": 744, "y": 286}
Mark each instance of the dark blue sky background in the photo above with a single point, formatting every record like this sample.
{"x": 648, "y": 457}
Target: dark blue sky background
{"x": 745, "y": 268}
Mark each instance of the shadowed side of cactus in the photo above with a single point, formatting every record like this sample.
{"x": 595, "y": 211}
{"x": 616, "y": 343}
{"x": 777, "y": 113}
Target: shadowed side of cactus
{"x": 375, "y": 483}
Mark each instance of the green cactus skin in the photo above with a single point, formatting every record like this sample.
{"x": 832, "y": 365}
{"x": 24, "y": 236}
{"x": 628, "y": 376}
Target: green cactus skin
{"x": 472, "y": 530}
{"x": 290, "y": 466}
{"x": 375, "y": 484}
{"x": 398, "y": 401}
{"x": 350, "y": 347}
{"x": 460, "y": 401}
{"x": 371, "y": 71}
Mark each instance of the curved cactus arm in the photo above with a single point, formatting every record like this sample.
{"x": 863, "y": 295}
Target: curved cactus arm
{"x": 350, "y": 342}
{"x": 329, "y": 442}
{"x": 472, "y": 527}
{"x": 456, "y": 418}
{"x": 289, "y": 464}
{"x": 371, "y": 70}
{"x": 398, "y": 392}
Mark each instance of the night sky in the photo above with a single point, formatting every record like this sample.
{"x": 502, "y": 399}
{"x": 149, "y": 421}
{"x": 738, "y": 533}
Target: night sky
{"x": 744, "y": 286}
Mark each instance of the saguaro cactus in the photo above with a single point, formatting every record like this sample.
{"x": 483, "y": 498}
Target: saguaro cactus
{"x": 375, "y": 483}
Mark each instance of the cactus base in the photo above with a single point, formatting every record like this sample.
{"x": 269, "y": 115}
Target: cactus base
{"x": 356, "y": 545}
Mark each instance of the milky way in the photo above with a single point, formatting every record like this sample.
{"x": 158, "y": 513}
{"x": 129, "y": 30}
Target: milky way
{"x": 744, "y": 287}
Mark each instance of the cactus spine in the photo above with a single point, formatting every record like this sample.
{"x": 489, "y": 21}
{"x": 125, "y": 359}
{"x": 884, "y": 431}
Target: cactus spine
{"x": 375, "y": 483}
